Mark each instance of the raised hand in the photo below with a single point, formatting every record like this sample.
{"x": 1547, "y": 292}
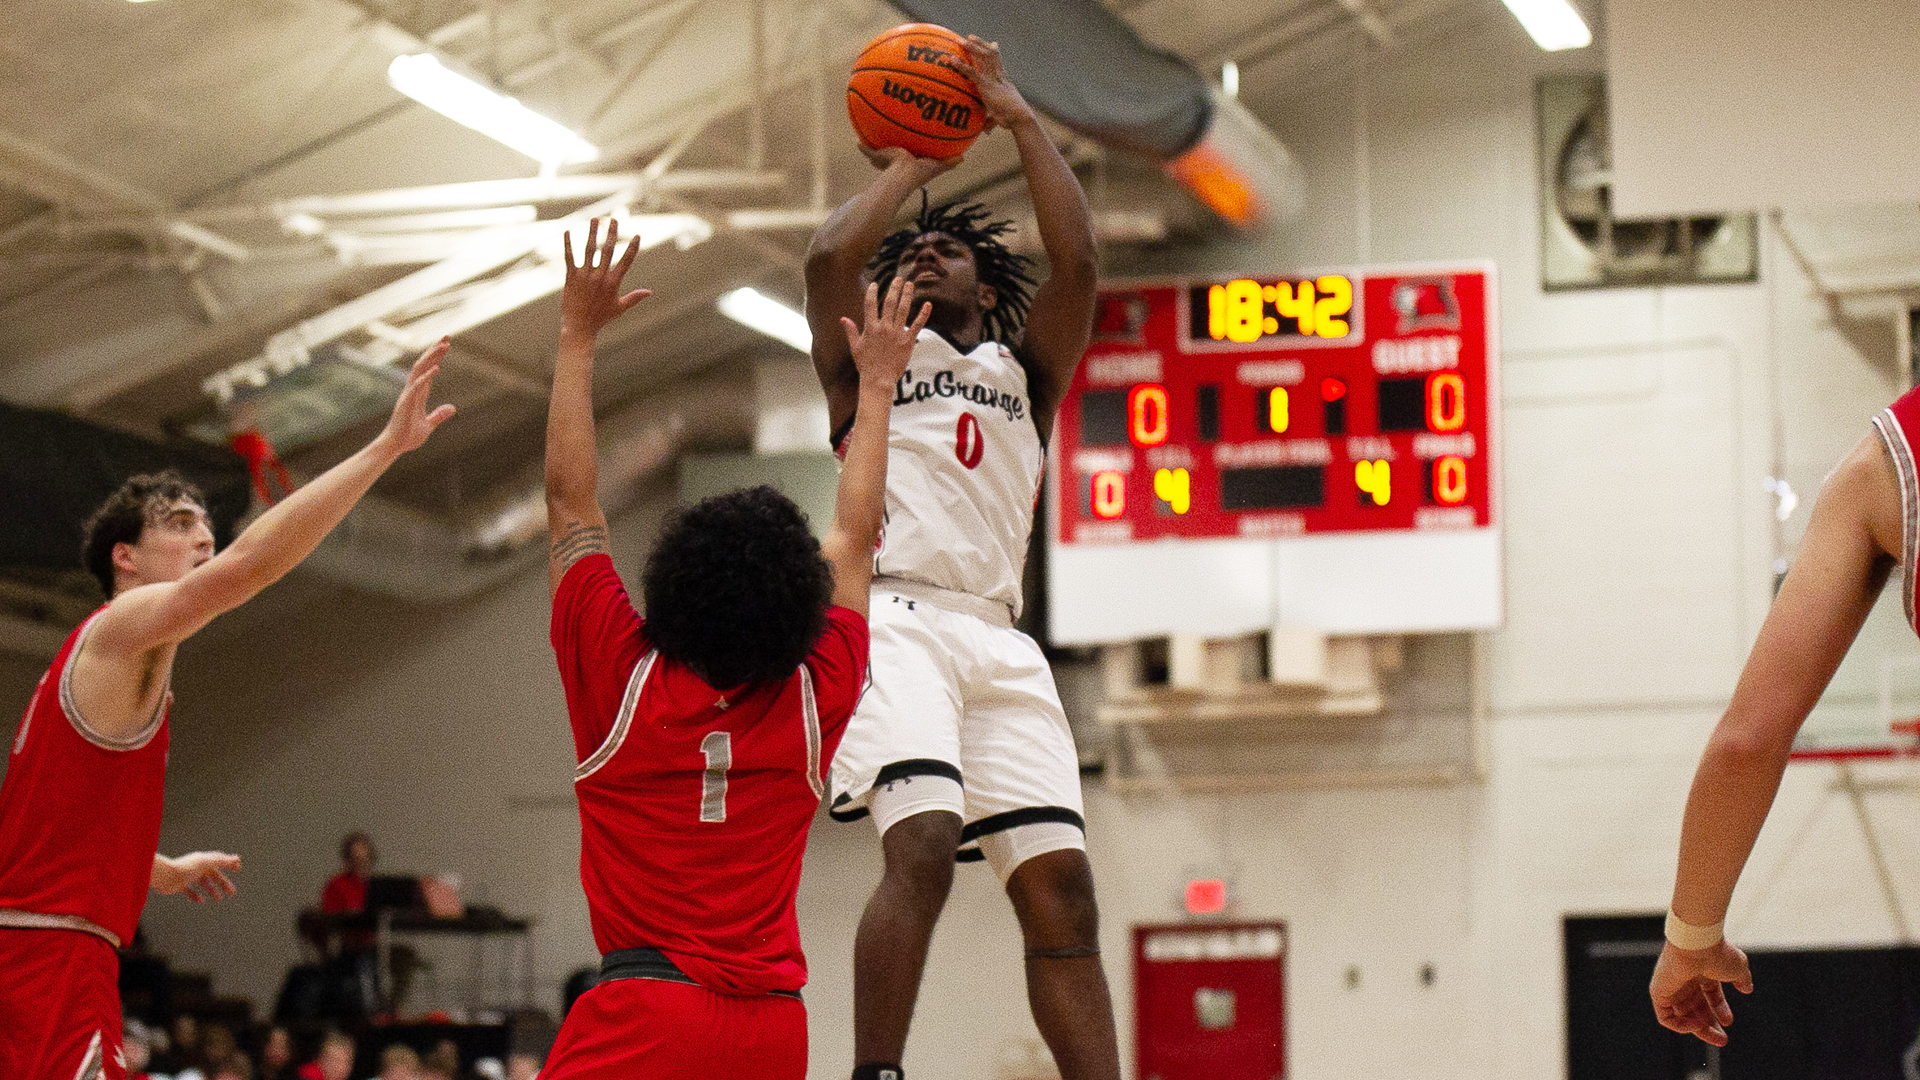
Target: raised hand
{"x": 201, "y": 875}
{"x": 1002, "y": 101}
{"x": 591, "y": 297}
{"x": 411, "y": 423}
{"x": 1687, "y": 990}
{"x": 884, "y": 340}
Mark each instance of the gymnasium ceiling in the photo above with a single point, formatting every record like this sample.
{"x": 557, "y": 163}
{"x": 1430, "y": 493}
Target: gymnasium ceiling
{"x": 153, "y": 155}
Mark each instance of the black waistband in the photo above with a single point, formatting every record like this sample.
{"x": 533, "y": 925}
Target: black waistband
{"x": 645, "y": 963}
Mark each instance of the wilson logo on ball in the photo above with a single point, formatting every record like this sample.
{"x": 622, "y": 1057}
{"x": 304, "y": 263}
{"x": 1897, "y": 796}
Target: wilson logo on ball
{"x": 907, "y": 90}
{"x": 952, "y": 114}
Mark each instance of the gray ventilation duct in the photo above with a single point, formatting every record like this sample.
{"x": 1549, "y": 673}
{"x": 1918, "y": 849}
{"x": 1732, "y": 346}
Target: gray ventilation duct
{"x": 1085, "y": 67}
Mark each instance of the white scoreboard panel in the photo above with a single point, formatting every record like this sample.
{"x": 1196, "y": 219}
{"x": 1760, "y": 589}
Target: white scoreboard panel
{"x": 1301, "y": 449}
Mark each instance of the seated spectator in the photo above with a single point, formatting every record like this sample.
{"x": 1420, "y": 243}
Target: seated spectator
{"x": 276, "y": 1055}
{"x": 234, "y": 1066}
{"x": 136, "y": 1045}
{"x": 523, "y": 1067}
{"x": 182, "y": 1056}
{"x": 335, "y": 1060}
{"x": 217, "y": 1045}
{"x": 399, "y": 1062}
{"x": 443, "y": 1063}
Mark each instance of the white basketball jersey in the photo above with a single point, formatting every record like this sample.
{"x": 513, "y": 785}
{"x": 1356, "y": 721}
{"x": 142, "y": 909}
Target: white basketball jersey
{"x": 964, "y": 466}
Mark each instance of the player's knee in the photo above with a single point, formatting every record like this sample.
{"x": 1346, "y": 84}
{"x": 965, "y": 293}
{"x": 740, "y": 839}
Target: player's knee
{"x": 919, "y": 852}
{"x": 1053, "y": 896}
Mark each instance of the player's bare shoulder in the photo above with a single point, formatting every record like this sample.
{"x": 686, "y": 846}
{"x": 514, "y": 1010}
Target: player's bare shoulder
{"x": 1865, "y": 487}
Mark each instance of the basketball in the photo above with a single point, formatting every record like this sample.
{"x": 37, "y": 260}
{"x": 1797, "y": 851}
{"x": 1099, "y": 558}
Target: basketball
{"x": 906, "y": 91}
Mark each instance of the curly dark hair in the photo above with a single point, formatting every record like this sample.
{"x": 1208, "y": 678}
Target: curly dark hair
{"x": 994, "y": 264}
{"x": 126, "y": 514}
{"x": 737, "y": 589}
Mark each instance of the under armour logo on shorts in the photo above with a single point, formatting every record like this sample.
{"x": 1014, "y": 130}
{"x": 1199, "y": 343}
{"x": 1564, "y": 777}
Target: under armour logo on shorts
{"x": 888, "y": 1074}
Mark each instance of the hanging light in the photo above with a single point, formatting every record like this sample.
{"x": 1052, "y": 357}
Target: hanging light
{"x": 756, "y": 310}
{"x": 1553, "y": 24}
{"x": 426, "y": 80}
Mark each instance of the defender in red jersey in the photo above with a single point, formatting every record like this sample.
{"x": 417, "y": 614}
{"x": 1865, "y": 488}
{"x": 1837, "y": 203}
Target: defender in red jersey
{"x": 1866, "y": 521}
{"x": 703, "y": 732}
{"x": 80, "y": 806}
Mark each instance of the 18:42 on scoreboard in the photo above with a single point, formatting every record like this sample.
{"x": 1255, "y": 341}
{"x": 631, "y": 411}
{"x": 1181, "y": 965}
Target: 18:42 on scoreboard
{"x": 1338, "y": 426}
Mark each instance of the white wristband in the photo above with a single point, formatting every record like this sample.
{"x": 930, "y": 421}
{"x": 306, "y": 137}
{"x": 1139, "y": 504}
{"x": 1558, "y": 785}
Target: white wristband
{"x": 1685, "y": 935}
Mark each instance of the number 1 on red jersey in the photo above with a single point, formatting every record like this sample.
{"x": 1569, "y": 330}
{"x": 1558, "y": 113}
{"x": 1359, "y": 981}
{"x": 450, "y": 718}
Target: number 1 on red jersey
{"x": 718, "y": 750}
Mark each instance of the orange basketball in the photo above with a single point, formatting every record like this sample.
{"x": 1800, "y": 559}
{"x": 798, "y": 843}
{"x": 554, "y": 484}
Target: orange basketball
{"x": 906, "y": 92}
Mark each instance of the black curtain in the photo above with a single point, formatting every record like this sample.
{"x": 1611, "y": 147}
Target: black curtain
{"x": 1834, "y": 1014}
{"x": 55, "y": 470}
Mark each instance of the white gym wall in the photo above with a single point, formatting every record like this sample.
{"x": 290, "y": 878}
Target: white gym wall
{"x": 1747, "y": 104}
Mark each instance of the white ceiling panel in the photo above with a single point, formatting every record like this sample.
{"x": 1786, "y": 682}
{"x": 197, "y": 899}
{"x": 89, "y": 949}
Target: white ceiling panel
{"x": 1742, "y": 104}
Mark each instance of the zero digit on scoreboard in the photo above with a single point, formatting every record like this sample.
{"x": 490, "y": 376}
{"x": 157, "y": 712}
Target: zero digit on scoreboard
{"x": 1450, "y": 480}
{"x": 1147, "y": 421}
{"x": 1446, "y": 401}
{"x": 1109, "y": 494}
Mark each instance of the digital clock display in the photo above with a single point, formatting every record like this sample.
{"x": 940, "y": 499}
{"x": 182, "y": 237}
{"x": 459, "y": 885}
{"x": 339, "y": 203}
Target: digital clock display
{"x": 1280, "y": 406}
{"x": 1249, "y": 311}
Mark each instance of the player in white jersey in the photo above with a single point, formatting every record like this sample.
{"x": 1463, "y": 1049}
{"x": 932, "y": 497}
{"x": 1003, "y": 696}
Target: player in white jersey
{"x": 960, "y": 744}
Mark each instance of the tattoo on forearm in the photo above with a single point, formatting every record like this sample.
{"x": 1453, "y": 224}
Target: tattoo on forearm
{"x": 579, "y": 541}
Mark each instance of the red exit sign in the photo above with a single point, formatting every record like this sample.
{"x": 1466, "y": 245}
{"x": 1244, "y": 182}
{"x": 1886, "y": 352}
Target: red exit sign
{"x": 1272, "y": 407}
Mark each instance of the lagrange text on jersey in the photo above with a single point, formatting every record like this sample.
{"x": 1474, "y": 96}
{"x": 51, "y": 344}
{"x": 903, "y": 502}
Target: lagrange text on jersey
{"x": 946, "y": 384}
{"x": 965, "y": 464}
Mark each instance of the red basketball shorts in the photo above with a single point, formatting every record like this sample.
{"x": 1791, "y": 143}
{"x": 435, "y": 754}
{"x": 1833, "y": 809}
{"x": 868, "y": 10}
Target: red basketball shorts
{"x": 656, "y": 1030}
{"x": 59, "y": 1007}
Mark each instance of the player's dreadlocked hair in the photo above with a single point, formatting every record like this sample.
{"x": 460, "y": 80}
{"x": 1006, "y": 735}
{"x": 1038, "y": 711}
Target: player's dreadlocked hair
{"x": 993, "y": 263}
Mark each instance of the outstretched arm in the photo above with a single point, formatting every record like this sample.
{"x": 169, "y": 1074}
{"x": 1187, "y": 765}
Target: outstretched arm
{"x": 838, "y": 256}
{"x": 879, "y": 346}
{"x": 202, "y": 875}
{"x": 1843, "y": 562}
{"x": 590, "y": 300}
{"x": 166, "y": 613}
{"x": 1061, "y": 317}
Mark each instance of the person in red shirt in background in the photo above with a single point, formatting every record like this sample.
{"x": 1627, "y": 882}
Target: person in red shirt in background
{"x": 335, "y": 1060}
{"x": 346, "y": 891}
{"x": 703, "y": 732}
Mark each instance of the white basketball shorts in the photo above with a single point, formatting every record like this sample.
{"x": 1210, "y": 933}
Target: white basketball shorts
{"x": 960, "y": 714}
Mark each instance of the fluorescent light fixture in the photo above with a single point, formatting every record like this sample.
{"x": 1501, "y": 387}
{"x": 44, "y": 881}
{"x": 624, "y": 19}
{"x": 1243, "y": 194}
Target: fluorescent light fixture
{"x": 300, "y": 224}
{"x": 754, "y": 309}
{"x": 682, "y": 230}
{"x": 424, "y": 79}
{"x": 483, "y": 218}
{"x": 1553, "y": 24}
{"x": 1230, "y": 79}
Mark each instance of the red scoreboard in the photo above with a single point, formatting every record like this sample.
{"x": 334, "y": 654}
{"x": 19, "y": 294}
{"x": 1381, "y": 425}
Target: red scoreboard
{"x": 1291, "y": 406}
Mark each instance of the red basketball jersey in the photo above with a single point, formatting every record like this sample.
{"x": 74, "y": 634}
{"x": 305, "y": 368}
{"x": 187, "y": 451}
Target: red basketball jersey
{"x": 79, "y": 813}
{"x": 1899, "y": 427}
{"x": 694, "y": 803}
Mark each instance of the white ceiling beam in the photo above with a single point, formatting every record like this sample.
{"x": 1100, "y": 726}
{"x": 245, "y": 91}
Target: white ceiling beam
{"x": 482, "y": 193}
{"x": 46, "y": 173}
